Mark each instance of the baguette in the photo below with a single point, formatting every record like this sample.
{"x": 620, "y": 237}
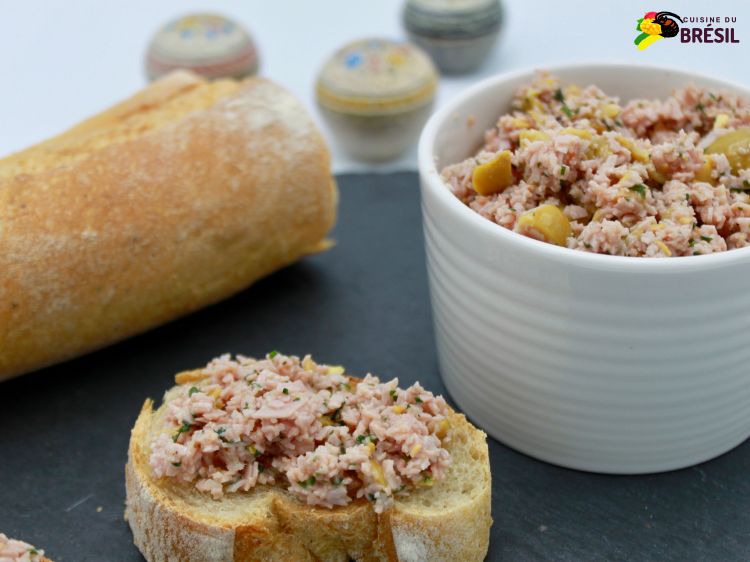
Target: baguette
{"x": 172, "y": 521}
{"x": 170, "y": 201}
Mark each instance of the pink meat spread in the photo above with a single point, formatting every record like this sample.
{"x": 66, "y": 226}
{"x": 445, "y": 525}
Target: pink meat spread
{"x": 578, "y": 168}
{"x": 328, "y": 438}
{"x": 18, "y": 551}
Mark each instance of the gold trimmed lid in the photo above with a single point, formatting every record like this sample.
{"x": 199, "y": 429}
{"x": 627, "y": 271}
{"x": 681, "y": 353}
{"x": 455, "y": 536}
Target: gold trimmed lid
{"x": 373, "y": 76}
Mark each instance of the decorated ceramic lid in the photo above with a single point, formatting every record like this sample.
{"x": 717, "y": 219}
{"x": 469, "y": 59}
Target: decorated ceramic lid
{"x": 372, "y": 76}
{"x": 209, "y": 44}
{"x": 452, "y": 18}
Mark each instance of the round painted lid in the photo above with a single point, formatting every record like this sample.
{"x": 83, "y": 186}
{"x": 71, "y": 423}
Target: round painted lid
{"x": 373, "y": 76}
{"x": 452, "y": 18}
{"x": 209, "y": 44}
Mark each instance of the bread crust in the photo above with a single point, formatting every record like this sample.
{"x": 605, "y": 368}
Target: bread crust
{"x": 136, "y": 230}
{"x": 171, "y": 522}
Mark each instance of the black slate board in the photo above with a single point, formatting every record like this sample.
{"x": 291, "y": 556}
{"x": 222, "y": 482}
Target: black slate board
{"x": 64, "y": 430}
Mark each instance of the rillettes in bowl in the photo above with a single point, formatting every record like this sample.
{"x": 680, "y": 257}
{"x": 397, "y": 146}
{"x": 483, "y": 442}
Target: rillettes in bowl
{"x": 596, "y": 362}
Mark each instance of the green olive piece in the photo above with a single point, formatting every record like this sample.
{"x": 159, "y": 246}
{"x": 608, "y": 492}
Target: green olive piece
{"x": 736, "y": 147}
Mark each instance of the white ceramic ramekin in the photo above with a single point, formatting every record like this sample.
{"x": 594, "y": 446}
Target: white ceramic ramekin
{"x": 601, "y": 363}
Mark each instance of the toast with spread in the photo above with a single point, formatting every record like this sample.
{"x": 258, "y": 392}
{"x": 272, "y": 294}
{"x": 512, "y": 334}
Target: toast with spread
{"x": 13, "y": 550}
{"x": 281, "y": 458}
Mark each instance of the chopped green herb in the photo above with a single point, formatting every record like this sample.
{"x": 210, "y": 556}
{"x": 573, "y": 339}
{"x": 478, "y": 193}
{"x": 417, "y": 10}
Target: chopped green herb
{"x": 362, "y": 438}
{"x": 706, "y": 238}
{"x": 221, "y": 430}
{"x": 700, "y": 107}
{"x": 691, "y": 242}
{"x": 273, "y": 354}
{"x": 618, "y": 122}
{"x": 285, "y": 391}
{"x": 309, "y": 482}
{"x": 427, "y": 478}
{"x": 417, "y": 399}
{"x": 696, "y": 253}
{"x": 337, "y": 481}
{"x": 558, "y": 95}
{"x": 185, "y": 427}
{"x": 746, "y": 184}
{"x": 32, "y": 550}
{"x": 178, "y": 464}
{"x": 393, "y": 394}
{"x": 587, "y": 245}
{"x": 687, "y": 197}
{"x": 736, "y": 190}
{"x": 713, "y": 97}
{"x": 193, "y": 390}
{"x": 297, "y": 399}
{"x": 261, "y": 468}
{"x": 563, "y": 170}
{"x": 639, "y": 188}
{"x": 371, "y": 497}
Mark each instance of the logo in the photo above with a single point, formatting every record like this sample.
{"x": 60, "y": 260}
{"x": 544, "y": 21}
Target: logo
{"x": 655, "y": 26}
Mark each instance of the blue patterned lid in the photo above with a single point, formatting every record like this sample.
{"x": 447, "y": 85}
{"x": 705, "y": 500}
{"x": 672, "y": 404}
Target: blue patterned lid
{"x": 376, "y": 75}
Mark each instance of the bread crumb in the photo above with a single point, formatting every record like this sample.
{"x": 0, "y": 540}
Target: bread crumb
{"x": 409, "y": 546}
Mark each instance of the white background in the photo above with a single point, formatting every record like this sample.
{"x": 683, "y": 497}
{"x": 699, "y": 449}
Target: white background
{"x": 61, "y": 61}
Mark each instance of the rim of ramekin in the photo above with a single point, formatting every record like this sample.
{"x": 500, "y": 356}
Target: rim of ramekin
{"x": 430, "y": 177}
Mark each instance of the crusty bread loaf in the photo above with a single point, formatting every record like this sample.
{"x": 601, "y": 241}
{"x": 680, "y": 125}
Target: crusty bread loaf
{"x": 170, "y": 201}
{"x": 171, "y": 521}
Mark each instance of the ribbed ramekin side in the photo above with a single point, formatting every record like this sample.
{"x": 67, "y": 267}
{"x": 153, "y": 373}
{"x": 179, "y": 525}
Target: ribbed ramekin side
{"x": 571, "y": 376}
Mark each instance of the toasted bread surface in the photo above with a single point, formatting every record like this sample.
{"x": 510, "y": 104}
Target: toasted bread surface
{"x": 172, "y": 521}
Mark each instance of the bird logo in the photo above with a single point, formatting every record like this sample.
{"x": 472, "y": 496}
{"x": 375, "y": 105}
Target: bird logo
{"x": 654, "y": 26}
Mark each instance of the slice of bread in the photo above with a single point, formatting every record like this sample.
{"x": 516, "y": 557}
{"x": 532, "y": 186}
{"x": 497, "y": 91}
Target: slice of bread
{"x": 172, "y": 521}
